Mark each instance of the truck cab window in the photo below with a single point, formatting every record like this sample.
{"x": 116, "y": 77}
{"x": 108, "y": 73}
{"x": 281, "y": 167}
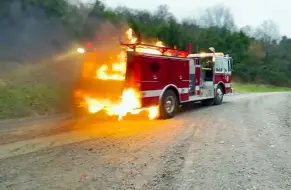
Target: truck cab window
{"x": 226, "y": 65}
{"x": 218, "y": 64}
{"x": 230, "y": 64}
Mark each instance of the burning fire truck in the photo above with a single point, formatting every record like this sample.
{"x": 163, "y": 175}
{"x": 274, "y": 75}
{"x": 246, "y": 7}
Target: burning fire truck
{"x": 152, "y": 78}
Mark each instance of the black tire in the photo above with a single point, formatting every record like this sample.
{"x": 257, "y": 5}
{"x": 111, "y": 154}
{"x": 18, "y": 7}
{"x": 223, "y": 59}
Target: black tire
{"x": 218, "y": 95}
{"x": 169, "y": 105}
{"x": 78, "y": 112}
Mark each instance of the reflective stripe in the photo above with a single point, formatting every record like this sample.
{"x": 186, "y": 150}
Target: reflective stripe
{"x": 157, "y": 93}
{"x": 227, "y": 85}
{"x": 183, "y": 90}
{"x": 151, "y": 93}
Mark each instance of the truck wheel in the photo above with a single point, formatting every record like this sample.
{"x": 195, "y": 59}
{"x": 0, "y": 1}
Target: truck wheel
{"x": 218, "y": 95}
{"x": 169, "y": 105}
{"x": 77, "y": 111}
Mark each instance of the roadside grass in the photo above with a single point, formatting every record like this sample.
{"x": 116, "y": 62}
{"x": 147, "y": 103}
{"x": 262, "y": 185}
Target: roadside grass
{"x": 34, "y": 100}
{"x": 35, "y": 90}
{"x": 239, "y": 87}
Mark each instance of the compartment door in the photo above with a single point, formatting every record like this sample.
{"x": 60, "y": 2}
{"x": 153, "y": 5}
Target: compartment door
{"x": 192, "y": 78}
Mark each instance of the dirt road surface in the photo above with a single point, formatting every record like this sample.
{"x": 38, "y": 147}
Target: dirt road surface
{"x": 244, "y": 143}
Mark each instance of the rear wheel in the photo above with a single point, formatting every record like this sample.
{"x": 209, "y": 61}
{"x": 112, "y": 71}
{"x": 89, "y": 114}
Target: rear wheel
{"x": 78, "y": 112}
{"x": 169, "y": 105}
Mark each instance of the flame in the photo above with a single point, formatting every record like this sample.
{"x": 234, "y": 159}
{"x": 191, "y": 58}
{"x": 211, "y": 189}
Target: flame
{"x": 118, "y": 69}
{"x": 133, "y": 40}
{"x": 130, "y": 99}
{"x": 130, "y": 104}
{"x": 130, "y": 36}
{"x": 160, "y": 44}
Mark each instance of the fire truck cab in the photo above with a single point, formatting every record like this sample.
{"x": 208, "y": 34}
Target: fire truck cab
{"x": 176, "y": 77}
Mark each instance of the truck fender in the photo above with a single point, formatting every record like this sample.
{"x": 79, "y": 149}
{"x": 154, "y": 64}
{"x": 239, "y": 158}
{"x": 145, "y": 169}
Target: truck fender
{"x": 222, "y": 85}
{"x": 171, "y": 87}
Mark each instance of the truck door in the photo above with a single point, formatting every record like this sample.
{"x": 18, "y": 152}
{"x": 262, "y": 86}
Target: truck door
{"x": 223, "y": 72}
{"x": 192, "y": 78}
{"x": 152, "y": 72}
{"x": 219, "y": 70}
{"x": 228, "y": 74}
{"x": 152, "y": 78}
{"x": 178, "y": 74}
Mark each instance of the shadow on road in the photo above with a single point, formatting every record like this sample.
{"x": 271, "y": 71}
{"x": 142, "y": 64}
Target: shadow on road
{"x": 195, "y": 107}
{"x": 102, "y": 118}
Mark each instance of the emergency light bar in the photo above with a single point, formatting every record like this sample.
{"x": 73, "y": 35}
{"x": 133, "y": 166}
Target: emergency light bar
{"x": 205, "y": 54}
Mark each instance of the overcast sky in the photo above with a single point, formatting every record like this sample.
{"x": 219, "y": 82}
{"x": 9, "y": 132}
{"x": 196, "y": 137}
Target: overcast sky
{"x": 245, "y": 12}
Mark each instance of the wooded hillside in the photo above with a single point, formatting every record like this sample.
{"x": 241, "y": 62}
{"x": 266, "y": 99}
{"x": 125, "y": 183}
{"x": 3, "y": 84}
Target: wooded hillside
{"x": 37, "y": 29}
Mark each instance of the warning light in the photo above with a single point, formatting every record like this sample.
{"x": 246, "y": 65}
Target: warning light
{"x": 81, "y": 50}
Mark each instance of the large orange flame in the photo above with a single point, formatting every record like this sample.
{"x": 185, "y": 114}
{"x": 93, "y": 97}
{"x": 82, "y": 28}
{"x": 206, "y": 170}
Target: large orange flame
{"x": 130, "y": 99}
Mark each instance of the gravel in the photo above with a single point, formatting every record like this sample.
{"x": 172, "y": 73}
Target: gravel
{"x": 244, "y": 143}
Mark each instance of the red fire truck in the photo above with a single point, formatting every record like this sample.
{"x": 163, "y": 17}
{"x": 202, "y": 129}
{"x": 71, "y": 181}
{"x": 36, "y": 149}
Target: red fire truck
{"x": 175, "y": 77}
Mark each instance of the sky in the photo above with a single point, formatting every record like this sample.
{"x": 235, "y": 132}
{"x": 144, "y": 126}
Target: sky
{"x": 245, "y": 12}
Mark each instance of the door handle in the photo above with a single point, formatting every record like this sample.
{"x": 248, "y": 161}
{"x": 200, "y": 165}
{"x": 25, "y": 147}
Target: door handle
{"x": 155, "y": 77}
{"x": 180, "y": 77}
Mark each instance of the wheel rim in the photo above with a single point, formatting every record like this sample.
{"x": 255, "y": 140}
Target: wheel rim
{"x": 170, "y": 104}
{"x": 219, "y": 94}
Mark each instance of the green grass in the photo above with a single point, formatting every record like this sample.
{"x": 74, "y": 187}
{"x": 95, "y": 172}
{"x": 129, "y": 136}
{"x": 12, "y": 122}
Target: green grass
{"x": 258, "y": 88}
{"x": 24, "y": 101}
{"x": 35, "y": 90}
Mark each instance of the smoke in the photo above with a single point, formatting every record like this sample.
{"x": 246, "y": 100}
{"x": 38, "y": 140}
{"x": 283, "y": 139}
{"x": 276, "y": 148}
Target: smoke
{"x": 29, "y": 34}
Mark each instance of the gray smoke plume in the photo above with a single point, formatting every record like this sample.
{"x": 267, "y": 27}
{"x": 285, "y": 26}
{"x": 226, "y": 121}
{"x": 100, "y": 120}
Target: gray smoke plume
{"x": 28, "y": 34}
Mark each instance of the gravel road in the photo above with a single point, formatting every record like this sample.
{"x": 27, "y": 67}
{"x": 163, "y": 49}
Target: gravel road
{"x": 244, "y": 143}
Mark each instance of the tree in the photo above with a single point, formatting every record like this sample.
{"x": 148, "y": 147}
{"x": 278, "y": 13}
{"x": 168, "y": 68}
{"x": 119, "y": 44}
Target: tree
{"x": 219, "y": 16}
{"x": 92, "y": 23}
{"x": 260, "y": 54}
{"x": 248, "y": 30}
{"x": 268, "y": 31}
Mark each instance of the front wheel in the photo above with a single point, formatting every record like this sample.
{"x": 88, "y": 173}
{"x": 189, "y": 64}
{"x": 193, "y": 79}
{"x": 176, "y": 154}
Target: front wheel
{"x": 169, "y": 105}
{"x": 218, "y": 95}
